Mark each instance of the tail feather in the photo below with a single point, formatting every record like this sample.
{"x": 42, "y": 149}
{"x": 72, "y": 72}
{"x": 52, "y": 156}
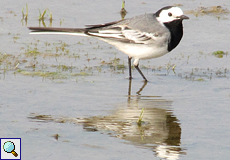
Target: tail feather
{"x": 53, "y": 29}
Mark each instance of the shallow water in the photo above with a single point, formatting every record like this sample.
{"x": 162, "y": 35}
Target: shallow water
{"x": 68, "y": 97}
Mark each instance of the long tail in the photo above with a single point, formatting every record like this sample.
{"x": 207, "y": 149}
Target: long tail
{"x": 53, "y": 30}
{"x": 70, "y": 31}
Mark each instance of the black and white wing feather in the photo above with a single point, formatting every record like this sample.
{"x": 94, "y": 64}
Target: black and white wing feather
{"x": 126, "y": 31}
{"x": 144, "y": 29}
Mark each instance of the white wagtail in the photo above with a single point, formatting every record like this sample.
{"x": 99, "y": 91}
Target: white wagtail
{"x": 141, "y": 37}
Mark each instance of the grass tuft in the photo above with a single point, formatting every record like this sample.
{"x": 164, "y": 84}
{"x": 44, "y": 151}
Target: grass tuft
{"x": 139, "y": 121}
{"x": 123, "y": 11}
{"x": 219, "y": 54}
{"x": 25, "y": 15}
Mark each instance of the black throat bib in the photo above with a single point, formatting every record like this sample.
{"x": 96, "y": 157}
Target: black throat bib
{"x": 176, "y": 30}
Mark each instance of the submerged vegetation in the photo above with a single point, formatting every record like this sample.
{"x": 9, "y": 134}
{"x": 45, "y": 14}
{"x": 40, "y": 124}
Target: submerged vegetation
{"x": 213, "y": 10}
{"x": 39, "y": 73}
{"x": 44, "y": 59}
{"x": 220, "y": 54}
{"x": 56, "y": 61}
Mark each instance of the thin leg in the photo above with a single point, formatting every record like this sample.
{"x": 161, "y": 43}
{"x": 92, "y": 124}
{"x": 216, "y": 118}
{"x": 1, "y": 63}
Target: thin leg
{"x": 138, "y": 69}
{"x": 130, "y": 69}
{"x": 129, "y": 91}
{"x": 143, "y": 86}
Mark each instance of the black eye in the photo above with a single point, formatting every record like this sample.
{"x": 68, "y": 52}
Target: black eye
{"x": 170, "y": 14}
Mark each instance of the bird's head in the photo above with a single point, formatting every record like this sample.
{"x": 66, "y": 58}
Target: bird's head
{"x": 169, "y": 14}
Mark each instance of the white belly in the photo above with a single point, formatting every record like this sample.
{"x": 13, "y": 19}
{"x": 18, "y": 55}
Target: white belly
{"x": 142, "y": 51}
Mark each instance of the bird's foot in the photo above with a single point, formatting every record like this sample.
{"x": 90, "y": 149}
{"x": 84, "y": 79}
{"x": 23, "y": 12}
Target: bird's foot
{"x": 129, "y": 78}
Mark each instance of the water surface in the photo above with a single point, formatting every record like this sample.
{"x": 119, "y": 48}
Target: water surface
{"x": 69, "y": 97}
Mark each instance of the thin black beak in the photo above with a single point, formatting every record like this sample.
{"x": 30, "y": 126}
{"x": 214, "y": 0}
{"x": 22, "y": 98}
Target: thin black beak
{"x": 183, "y": 17}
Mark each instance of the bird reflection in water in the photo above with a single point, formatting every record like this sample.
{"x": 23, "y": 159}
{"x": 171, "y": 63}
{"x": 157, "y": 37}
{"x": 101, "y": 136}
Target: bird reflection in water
{"x": 159, "y": 128}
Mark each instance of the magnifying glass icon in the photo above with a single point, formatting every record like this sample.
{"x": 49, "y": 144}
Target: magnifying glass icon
{"x": 9, "y": 147}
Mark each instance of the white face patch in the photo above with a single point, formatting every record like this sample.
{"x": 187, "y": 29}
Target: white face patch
{"x": 170, "y": 14}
